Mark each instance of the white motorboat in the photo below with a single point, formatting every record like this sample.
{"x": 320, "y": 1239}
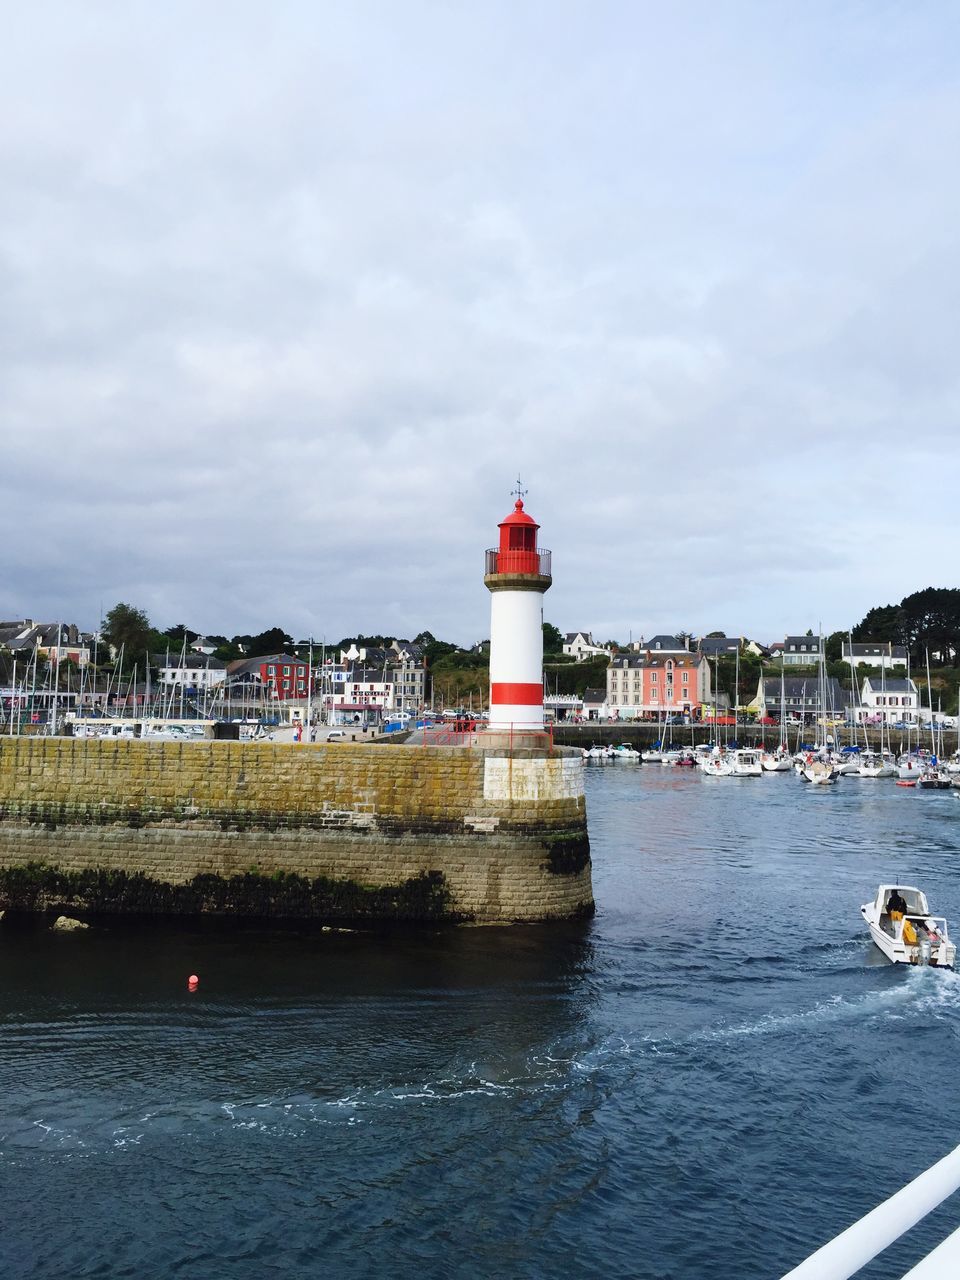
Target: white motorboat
{"x": 746, "y": 763}
{"x": 652, "y": 757}
{"x": 716, "y": 766}
{"x": 877, "y": 764}
{"x": 626, "y": 752}
{"x": 935, "y": 779}
{"x": 915, "y": 938}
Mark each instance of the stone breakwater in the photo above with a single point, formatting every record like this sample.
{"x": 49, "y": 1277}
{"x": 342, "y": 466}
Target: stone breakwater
{"x": 329, "y": 833}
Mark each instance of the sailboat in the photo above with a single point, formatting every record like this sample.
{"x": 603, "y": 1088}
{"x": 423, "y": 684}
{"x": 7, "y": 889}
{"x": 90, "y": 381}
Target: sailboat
{"x": 934, "y": 777}
{"x": 879, "y": 764}
{"x": 779, "y": 761}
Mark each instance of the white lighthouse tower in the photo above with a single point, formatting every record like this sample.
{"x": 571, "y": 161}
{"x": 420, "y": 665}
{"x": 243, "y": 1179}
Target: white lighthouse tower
{"x": 517, "y": 574}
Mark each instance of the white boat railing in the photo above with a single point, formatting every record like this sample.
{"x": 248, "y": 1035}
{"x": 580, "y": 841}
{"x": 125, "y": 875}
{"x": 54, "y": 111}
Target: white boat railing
{"x": 848, "y": 1252}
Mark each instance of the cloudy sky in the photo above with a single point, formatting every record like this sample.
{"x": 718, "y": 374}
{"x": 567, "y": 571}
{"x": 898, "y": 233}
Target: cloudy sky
{"x": 290, "y": 293}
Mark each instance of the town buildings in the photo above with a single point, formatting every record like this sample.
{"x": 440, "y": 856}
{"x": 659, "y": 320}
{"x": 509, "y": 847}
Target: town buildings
{"x": 56, "y": 641}
{"x": 654, "y": 683}
{"x": 580, "y": 645}
{"x": 193, "y": 671}
{"x": 891, "y": 700}
{"x": 875, "y": 653}
{"x": 800, "y": 698}
{"x": 278, "y": 677}
{"x": 797, "y": 651}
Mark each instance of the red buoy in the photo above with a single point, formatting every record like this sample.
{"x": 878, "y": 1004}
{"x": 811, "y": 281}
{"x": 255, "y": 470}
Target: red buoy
{"x": 193, "y": 982}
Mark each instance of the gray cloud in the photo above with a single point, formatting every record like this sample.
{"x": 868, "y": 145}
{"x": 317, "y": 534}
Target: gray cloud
{"x": 287, "y": 298}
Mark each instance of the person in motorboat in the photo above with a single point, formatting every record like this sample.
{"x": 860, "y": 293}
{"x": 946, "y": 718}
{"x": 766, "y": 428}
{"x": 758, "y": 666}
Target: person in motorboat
{"x": 896, "y": 905}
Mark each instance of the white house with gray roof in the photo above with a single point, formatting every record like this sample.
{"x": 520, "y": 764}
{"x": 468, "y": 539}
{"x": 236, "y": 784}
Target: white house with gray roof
{"x": 581, "y": 645}
{"x": 797, "y": 651}
{"x": 893, "y": 700}
{"x": 875, "y": 653}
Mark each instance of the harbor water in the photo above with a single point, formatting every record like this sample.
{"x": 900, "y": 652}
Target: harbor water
{"x": 713, "y": 1076}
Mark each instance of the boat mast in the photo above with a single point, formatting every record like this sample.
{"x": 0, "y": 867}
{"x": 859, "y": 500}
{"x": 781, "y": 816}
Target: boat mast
{"x": 933, "y": 736}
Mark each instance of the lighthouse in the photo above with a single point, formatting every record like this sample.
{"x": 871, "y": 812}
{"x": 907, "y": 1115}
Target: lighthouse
{"x": 517, "y": 573}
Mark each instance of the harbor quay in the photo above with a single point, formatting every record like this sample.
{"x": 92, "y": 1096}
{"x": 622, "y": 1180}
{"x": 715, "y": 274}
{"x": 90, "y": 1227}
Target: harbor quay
{"x": 345, "y": 833}
{"x": 645, "y": 734}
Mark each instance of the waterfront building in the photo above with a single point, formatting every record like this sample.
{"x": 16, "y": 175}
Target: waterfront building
{"x": 56, "y": 641}
{"x": 364, "y": 690}
{"x": 580, "y": 645}
{"x": 797, "y": 651}
{"x": 875, "y": 653}
{"x": 892, "y": 700}
{"x": 719, "y": 646}
{"x": 279, "y": 676}
{"x": 594, "y": 704}
{"x": 194, "y": 670}
{"x": 563, "y": 706}
{"x": 651, "y": 684}
{"x": 407, "y": 681}
{"x": 799, "y": 698}
{"x": 366, "y": 655}
{"x": 662, "y": 644}
{"x": 517, "y": 573}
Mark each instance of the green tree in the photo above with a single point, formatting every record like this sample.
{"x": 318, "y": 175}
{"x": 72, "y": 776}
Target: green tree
{"x": 833, "y": 646}
{"x": 552, "y": 639}
{"x": 178, "y": 633}
{"x": 931, "y": 622}
{"x": 128, "y": 628}
{"x": 883, "y": 622}
{"x": 275, "y": 640}
{"x": 434, "y": 650}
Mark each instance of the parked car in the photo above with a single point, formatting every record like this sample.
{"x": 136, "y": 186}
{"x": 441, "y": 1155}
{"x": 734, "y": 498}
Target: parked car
{"x": 335, "y": 735}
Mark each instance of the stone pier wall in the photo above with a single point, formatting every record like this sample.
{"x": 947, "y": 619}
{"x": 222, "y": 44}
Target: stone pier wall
{"x": 327, "y": 832}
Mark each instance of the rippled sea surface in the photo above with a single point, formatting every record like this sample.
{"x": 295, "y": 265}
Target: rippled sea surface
{"x": 713, "y": 1076}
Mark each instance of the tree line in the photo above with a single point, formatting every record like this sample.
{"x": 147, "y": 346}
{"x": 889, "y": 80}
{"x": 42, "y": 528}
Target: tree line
{"x": 926, "y": 621}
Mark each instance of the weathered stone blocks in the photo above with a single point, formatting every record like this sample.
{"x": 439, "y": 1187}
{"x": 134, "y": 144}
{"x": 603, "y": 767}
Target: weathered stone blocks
{"x": 498, "y": 837}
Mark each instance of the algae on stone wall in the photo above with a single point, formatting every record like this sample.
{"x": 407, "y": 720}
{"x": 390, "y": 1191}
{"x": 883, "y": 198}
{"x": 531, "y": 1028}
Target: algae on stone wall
{"x": 38, "y": 886}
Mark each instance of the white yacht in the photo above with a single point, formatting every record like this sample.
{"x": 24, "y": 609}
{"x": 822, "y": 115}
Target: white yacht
{"x": 716, "y": 765}
{"x": 915, "y": 938}
{"x": 819, "y": 772}
{"x": 877, "y": 764}
{"x": 746, "y": 763}
{"x": 779, "y": 761}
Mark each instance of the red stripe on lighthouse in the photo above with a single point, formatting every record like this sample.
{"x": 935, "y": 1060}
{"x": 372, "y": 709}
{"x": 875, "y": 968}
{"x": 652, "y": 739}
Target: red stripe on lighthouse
{"x": 517, "y": 695}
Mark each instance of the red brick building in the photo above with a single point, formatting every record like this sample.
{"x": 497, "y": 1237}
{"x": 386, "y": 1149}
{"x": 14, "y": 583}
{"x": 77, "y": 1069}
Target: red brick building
{"x": 280, "y": 677}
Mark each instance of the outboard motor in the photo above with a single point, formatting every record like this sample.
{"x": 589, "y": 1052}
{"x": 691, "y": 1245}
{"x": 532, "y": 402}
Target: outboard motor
{"x": 925, "y": 950}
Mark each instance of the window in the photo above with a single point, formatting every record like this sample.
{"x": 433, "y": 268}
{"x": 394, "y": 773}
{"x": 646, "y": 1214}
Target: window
{"x": 271, "y": 671}
{"x": 653, "y": 677}
{"x": 286, "y": 671}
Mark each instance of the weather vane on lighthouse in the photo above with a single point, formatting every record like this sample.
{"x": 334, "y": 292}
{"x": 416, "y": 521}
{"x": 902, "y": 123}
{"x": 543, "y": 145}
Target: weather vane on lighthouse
{"x": 520, "y": 492}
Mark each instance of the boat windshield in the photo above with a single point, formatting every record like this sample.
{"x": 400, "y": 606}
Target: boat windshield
{"x": 912, "y": 897}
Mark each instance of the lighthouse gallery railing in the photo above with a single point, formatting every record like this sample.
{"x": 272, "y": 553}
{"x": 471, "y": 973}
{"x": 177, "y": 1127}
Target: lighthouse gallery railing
{"x": 538, "y": 562}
